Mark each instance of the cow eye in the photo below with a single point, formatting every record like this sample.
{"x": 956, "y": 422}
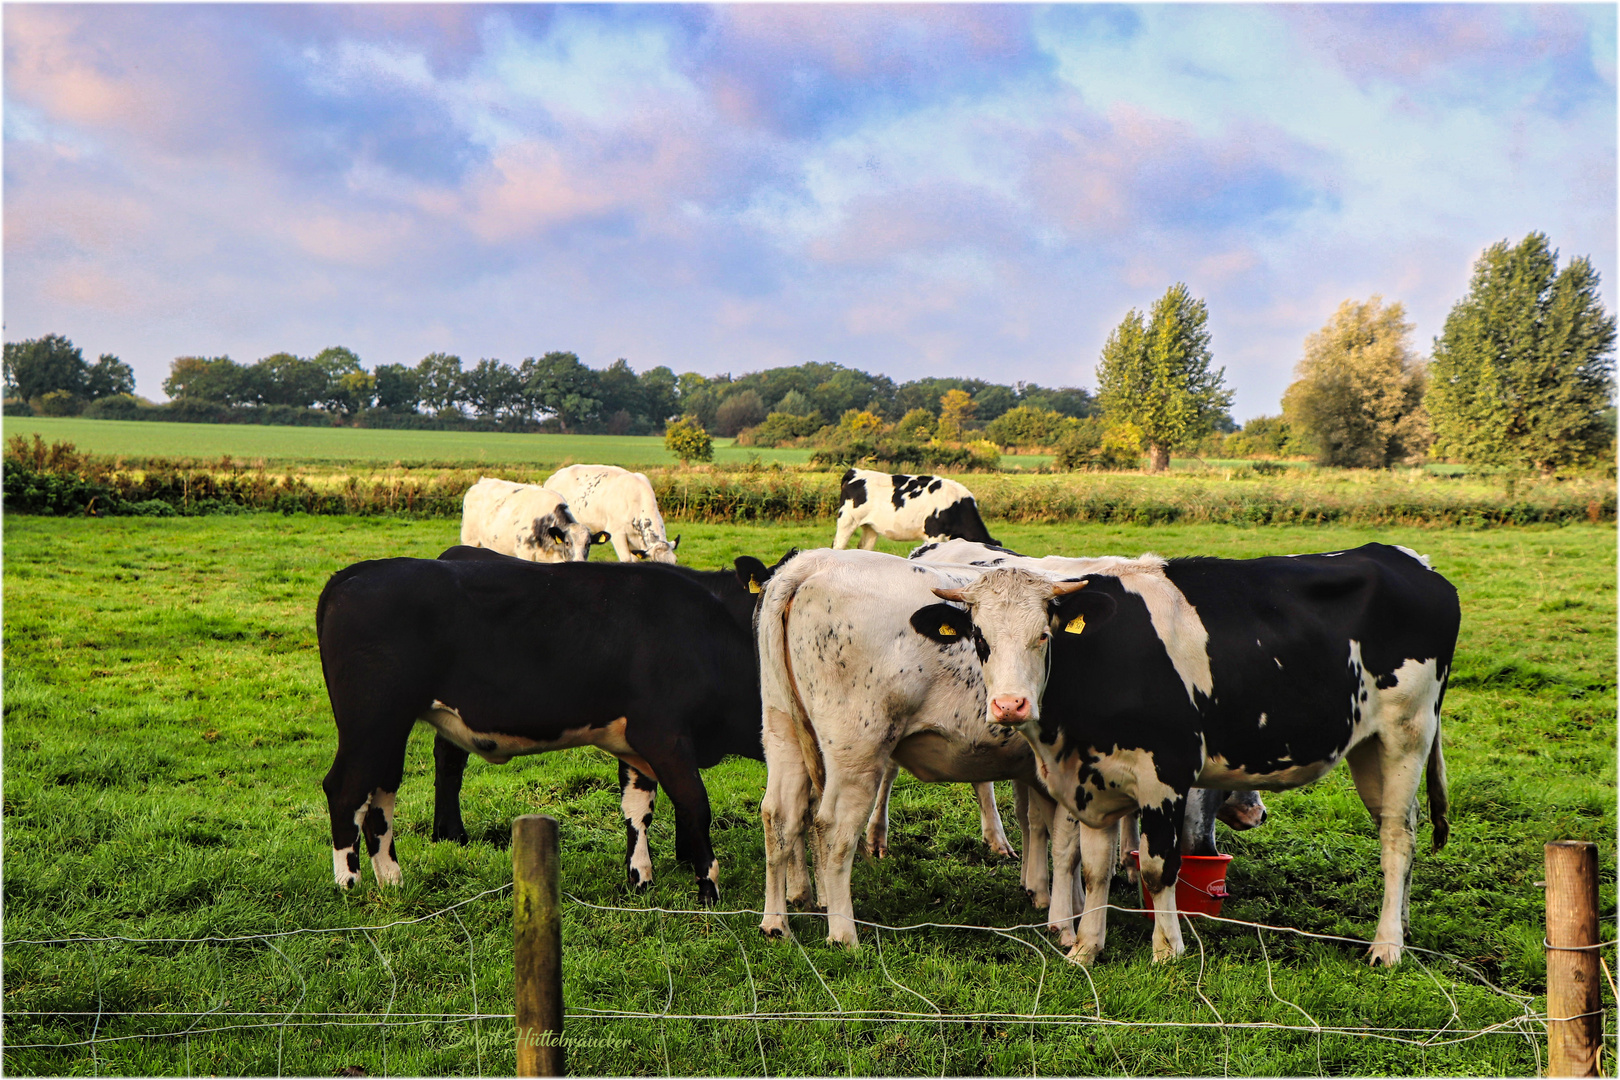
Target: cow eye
{"x": 1046, "y": 635}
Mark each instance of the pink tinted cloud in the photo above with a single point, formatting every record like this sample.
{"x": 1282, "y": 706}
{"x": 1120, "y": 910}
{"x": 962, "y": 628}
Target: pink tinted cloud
{"x": 864, "y": 40}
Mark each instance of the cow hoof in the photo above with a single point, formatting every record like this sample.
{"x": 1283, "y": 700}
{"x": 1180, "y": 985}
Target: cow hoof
{"x": 459, "y": 836}
{"x": 1163, "y": 954}
{"x": 639, "y": 886}
{"x": 1039, "y": 900}
{"x": 1003, "y": 851}
{"x": 1384, "y": 954}
{"x": 880, "y": 851}
{"x": 777, "y": 929}
{"x": 1084, "y": 955}
{"x": 346, "y": 882}
{"x": 708, "y": 893}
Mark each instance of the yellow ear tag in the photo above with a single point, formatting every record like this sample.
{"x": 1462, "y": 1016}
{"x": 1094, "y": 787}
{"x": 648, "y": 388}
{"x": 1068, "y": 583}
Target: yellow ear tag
{"x": 1075, "y": 625}
{"x": 753, "y": 585}
{"x": 947, "y": 630}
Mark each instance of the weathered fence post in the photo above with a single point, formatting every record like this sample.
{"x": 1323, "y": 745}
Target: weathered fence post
{"x": 537, "y": 945}
{"x": 1574, "y": 999}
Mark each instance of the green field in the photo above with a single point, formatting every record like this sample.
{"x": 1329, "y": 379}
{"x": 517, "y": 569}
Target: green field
{"x": 166, "y": 731}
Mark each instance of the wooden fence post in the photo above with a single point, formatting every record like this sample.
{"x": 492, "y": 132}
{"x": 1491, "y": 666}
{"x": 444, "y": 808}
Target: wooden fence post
{"x": 1574, "y": 998}
{"x": 537, "y": 945}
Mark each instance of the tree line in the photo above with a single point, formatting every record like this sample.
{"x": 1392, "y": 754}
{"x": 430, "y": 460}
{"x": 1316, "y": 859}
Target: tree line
{"x": 1522, "y": 376}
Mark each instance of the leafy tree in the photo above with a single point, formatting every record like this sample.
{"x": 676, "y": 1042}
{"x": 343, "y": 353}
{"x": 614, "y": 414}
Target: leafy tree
{"x": 918, "y": 425}
{"x": 860, "y": 424}
{"x": 284, "y": 379}
{"x": 108, "y": 377}
{"x": 739, "y": 410}
{"x": 1357, "y": 396}
{"x": 660, "y": 395}
{"x": 794, "y": 403}
{"x": 699, "y": 396}
{"x": 992, "y": 401}
{"x": 438, "y": 381}
{"x": 620, "y": 390}
{"x": 955, "y": 410}
{"x": 1026, "y": 426}
{"x": 1524, "y": 368}
{"x": 686, "y": 439}
{"x": 1090, "y": 444}
{"x": 1155, "y": 375}
{"x": 1072, "y": 401}
{"x": 1264, "y": 436}
{"x": 493, "y": 389}
{"x": 396, "y": 388}
{"x": 217, "y": 379}
{"x": 38, "y": 366}
{"x": 562, "y": 386}
{"x": 348, "y": 387}
{"x": 925, "y": 393}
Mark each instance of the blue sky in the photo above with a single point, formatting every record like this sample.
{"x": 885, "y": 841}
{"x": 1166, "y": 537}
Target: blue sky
{"x": 979, "y": 190}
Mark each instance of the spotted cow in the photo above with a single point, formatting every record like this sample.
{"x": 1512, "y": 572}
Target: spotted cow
{"x": 619, "y": 503}
{"x": 903, "y": 507}
{"x": 524, "y": 520}
{"x": 1256, "y": 674}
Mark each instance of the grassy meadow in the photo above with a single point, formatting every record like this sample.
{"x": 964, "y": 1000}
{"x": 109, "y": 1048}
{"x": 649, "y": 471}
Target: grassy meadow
{"x": 166, "y": 731}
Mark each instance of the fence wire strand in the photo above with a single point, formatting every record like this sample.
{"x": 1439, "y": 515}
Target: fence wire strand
{"x": 1528, "y": 1023}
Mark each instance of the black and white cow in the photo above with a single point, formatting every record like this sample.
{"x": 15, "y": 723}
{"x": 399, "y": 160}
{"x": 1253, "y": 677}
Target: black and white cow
{"x": 861, "y": 668}
{"x": 503, "y": 658}
{"x": 1257, "y": 673}
{"x": 739, "y": 590}
{"x": 526, "y": 521}
{"x": 903, "y": 507}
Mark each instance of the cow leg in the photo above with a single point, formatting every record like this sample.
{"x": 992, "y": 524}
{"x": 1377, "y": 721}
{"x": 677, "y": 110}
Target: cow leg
{"x": 869, "y": 538}
{"x": 1065, "y": 875}
{"x": 637, "y": 794}
{"x": 352, "y": 787}
{"x": 1034, "y": 809}
{"x": 1097, "y": 857}
{"x": 990, "y": 821}
{"x": 1130, "y": 839}
{"x": 1393, "y": 802}
{"x": 449, "y": 763}
{"x": 783, "y": 811}
{"x": 846, "y": 529}
{"x": 1198, "y": 826}
{"x": 1161, "y": 861}
{"x": 673, "y": 762}
{"x": 379, "y": 831}
{"x": 877, "y": 830}
{"x": 621, "y": 545}
{"x": 843, "y": 810}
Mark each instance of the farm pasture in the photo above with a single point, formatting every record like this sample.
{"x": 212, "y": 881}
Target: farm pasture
{"x": 166, "y": 730}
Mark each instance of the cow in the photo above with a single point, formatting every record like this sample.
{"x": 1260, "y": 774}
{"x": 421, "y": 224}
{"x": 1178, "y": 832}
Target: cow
{"x": 737, "y": 589}
{"x": 620, "y": 503}
{"x": 524, "y": 521}
{"x": 1240, "y": 810}
{"x": 861, "y": 667}
{"x": 503, "y": 657}
{"x": 903, "y": 507}
{"x": 1253, "y": 673}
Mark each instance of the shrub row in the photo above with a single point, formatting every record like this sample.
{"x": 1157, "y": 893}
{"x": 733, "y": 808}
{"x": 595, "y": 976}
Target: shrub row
{"x": 59, "y": 480}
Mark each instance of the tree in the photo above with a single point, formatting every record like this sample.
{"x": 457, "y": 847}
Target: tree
{"x": 438, "y": 381}
{"x": 686, "y": 439}
{"x": 217, "y": 379}
{"x": 1357, "y": 395}
{"x": 493, "y": 389}
{"x": 284, "y": 379}
{"x": 1264, "y": 436}
{"x": 955, "y": 410}
{"x": 1524, "y": 368}
{"x": 348, "y": 387}
{"x": 396, "y": 388}
{"x": 739, "y": 410}
{"x": 38, "y": 366}
{"x": 918, "y": 424}
{"x": 659, "y": 395}
{"x": 1072, "y": 401}
{"x": 109, "y": 377}
{"x": 559, "y": 384}
{"x": 1027, "y": 426}
{"x": 992, "y": 401}
{"x": 1155, "y": 375}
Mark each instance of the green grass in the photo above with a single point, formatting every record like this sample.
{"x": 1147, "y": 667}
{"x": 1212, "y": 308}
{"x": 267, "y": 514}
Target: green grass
{"x": 166, "y": 731}
{"x": 247, "y": 442}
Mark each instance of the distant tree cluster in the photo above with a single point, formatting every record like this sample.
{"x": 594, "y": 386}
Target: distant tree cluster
{"x": 51, "y": 375}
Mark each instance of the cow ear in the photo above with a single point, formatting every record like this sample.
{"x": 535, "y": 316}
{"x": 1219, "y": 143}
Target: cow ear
{"x": 1080, "y": 611}
{"x": 556, "y": 534}
{"x": 639, "y": 553}
{"x": 675, "y": 544}
{"x": 600, "y": 537}
{"x": 942, "y": 623}
{"x": 752, "y": 573}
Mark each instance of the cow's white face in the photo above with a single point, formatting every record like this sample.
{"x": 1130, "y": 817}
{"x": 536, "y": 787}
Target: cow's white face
{"x": 570, "y": 542}
{"x": 659, "y": 550}
{"x": 1014, "y": 615}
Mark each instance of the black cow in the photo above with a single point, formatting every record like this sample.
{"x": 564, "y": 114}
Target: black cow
{"x": 905, "y": 507}
{"x": 503, "y": 658}
{"x": 738, "y": 589}
{"x": 1256, "y": 673}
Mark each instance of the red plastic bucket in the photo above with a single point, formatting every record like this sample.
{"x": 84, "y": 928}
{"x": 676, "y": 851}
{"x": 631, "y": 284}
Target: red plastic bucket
{"x": 1200, "y": 884}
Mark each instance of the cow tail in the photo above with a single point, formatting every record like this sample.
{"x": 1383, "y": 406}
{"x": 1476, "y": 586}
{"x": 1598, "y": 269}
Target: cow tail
{"x": 777, "y": 684}
{"x": 1439, "y": 805}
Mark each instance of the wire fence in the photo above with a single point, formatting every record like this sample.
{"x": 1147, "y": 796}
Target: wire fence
{"x": 110, "y": 1027}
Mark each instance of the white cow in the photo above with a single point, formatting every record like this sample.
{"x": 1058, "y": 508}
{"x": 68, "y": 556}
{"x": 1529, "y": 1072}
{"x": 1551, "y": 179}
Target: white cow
{"x": 862, "y": 667}
{"x": 524, "y": 520}
{"x": 905, "y": 507}
{"x": 622, "y": 504}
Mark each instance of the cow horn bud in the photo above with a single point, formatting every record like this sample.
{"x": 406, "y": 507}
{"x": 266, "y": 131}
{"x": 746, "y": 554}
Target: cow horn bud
{"x": 951, "y": 594}
{"x": 1064, "y": 588}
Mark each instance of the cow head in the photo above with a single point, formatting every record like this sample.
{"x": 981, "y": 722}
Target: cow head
{"x": 659, "y": 550}
{"x": 559, "y": 538}
{"x": 1012, "y": 615}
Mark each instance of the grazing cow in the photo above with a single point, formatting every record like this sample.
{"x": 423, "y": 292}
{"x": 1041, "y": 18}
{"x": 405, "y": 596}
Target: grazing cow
{"x": 1256, "y": 673}
{"x": 504, "y": 658}
{"x": 524, "y": 521}
{"x": 861, "y": 667}
{"x": 903, "y": 507}
{"x": 620, "y": 503}
{"x": 738, "y": 590}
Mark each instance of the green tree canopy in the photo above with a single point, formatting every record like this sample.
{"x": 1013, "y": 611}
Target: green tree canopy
{"x": 438, "y": 381}
{"x": 1155, "y": 376}
{"x": 39, "y": 366}
{"x": 1524, "y": 368}
{"x": 216, "y": 379}
{"x": 560, "y": 385}
{"x": 109, "y": 377}
{"x": 1357, "y": 395}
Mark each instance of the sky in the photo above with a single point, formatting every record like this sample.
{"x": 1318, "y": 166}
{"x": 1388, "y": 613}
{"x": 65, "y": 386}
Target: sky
{"x": 913, "y": 190}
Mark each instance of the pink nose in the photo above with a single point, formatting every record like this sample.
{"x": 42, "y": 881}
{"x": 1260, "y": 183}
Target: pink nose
{"x": 1009, "y": 710}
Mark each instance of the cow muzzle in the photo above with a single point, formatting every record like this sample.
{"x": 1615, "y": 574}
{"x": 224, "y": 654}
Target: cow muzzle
{"x": 1008, "y": 709}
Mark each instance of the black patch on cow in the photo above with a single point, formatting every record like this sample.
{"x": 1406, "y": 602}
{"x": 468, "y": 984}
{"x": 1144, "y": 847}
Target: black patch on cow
{"x": 484, "y": 745}
{"x": 907, "y": 488}
{"x": 1095, "y": 607}
{"x": 852, "y": 489}
{"x": 354, "y": 862}
{"x": 980, "y": 645}
{"x": 943, "y": 624}
{"x": 751, "y": 573}
{"x": 959, "y": 521}
{"x": 643, "y": 783}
